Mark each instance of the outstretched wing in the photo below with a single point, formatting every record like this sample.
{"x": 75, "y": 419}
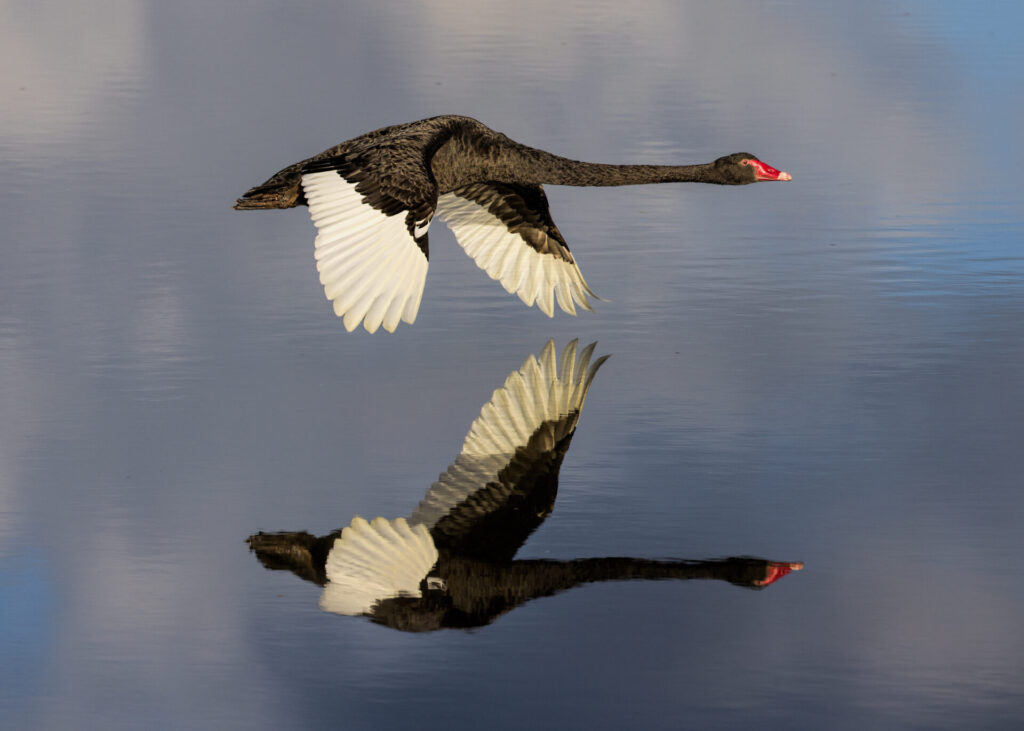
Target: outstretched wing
{"x": 521, "y": 428}
{"x": 371, "y": 209}
{"x": 507, "y": 230}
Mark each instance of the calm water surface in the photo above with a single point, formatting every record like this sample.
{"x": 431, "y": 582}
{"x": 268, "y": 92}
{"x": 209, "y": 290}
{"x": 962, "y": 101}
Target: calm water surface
{"x": 826, "y": 371}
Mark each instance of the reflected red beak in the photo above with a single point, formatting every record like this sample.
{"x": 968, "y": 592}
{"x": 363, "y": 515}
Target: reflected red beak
{"x": 764, "y": 171}
{"x": 777, "y": 570}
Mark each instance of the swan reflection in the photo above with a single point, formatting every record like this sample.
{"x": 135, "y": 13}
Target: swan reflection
{"x": 450, "y": 564}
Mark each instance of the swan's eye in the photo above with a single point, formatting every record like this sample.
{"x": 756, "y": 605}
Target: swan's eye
{"x": 746, "y": 162}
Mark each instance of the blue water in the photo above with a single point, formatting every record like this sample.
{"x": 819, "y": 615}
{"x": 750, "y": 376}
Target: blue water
{"x": 829, "y": 370}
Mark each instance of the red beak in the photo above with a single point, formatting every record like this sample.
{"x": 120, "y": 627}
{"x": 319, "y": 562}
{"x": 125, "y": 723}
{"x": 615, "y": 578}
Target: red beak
{"x": 777, "y": 570}
{"x": 764, "y": 171}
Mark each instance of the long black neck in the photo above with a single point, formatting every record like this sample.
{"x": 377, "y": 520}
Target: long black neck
{"x": 543, "y": 167}
{"x": 559, "y": 575}
{"x": 474, "y": 584}
{"x": 477, "y": 154}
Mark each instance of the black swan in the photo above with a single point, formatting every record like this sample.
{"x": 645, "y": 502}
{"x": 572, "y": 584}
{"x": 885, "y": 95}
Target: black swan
{"x": 450, "y": 564}
{"x": 485, "y": 186}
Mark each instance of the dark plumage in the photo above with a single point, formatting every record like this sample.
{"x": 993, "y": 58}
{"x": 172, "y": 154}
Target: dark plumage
{"x": 373, "y": 196}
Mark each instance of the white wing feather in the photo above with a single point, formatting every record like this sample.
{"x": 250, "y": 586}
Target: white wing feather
{"x": 507, "y": 258}
{"x": 370, "y": 265}
{"x": 543, "y": 389}
{"x": 376, "y": 560}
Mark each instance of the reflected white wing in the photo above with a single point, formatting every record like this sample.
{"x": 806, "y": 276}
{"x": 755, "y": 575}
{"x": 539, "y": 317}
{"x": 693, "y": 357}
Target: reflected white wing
{"x": 544, "y": 389}
{"x": 373, "y": 561}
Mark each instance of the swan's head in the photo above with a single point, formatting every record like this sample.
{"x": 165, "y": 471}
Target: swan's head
{"x": 741, "y": 168}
